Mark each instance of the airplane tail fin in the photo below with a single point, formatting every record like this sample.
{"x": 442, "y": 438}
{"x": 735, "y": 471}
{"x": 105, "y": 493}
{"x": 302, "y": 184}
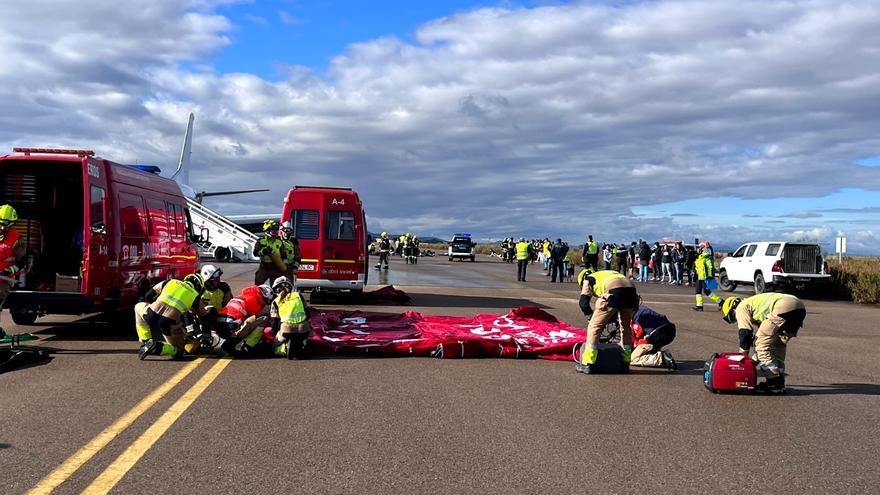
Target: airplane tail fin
{"x": 181, "y": 175}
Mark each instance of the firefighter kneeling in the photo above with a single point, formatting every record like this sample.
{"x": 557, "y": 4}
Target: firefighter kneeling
{"x": 290, "y": 320}
{"x": 769, "y": 321}
{"x": 616, "y": 297}
{"x": 166, "y": 315}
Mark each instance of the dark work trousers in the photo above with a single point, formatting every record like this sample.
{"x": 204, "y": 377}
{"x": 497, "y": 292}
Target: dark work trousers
{"x": 521, "y": 270}
{"x": 593, "y": 261}
{"x": 556, "y": 270}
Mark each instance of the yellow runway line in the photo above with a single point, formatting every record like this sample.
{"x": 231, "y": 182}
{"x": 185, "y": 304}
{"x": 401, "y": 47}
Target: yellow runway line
{"x": 115, "y": 471}
{"x": 67, "y": 468}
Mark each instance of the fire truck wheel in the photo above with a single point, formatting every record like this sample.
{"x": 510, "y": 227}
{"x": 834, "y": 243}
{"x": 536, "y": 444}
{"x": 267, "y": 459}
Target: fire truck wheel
{"x": 222, "y": 253}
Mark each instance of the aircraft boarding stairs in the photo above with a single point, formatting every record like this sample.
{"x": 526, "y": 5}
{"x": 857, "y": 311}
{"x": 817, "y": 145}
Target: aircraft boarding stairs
{"x": 224, "y": 239}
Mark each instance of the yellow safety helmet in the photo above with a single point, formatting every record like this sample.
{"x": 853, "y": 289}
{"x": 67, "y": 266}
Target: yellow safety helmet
{"x": 195, "y": 280}
{"x": 586, "y": 272}
{"x": 728, "y": 308}
{"x": 384, "y": 235}
{"x": 270, "y": 225}
{"x": 8, "y": 214}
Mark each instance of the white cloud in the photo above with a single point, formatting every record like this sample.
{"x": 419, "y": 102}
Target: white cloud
{"x": 547, "y": 121}
{"x": 288, "y": 19}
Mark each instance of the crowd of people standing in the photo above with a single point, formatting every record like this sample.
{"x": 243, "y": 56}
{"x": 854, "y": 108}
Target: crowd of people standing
{"x": 670, "y": 262}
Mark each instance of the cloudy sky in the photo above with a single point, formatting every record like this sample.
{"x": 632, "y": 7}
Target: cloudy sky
{"x": 727, "y": 120}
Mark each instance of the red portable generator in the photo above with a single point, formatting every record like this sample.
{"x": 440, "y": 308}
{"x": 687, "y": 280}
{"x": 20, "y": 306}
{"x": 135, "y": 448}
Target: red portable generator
{"x": 730, "y": 372}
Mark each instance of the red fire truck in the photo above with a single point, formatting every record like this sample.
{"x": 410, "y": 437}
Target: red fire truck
{"x": 332, "y": 231}
{"x": 97, "y": 233}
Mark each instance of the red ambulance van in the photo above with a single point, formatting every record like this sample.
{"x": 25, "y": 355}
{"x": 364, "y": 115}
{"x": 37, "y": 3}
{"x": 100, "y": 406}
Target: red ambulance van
{"x": 332, "y": 231}
{"x": 98, "y": 233}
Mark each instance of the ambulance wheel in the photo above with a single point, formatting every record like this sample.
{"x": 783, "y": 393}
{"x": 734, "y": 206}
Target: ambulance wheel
{"x": 222, "y": 253}
{"x": 23, "y": 316}
{"x": 356, "y": 294}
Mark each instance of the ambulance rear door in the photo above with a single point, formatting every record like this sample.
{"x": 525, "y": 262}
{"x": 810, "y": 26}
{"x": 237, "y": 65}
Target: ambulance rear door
{"x": 341, "y": 251}
{"x": 100, "y": 266}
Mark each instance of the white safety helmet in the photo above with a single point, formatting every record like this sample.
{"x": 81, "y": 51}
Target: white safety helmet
{"x": 282, "y": 282}
{"x": 267, "y": 292}
{"x": 210, "y": 271}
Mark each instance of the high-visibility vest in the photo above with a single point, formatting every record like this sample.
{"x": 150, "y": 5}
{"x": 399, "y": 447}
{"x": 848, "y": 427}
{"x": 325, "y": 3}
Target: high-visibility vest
{"x": 593, "y": 247}
{"x": 582, "y": 275}
{"x": 762, "y": 304}
{"x": 289, "y": 249}
{"x": 213, "y": 298}
{"x": 384, "y": 245}
{"x": 705, "y": 267}
{"x": 291, "y": 309}
{"x": 274, "y": 245}
{"x": 522, "y": 251}
{"x": 602, "y": 278}
{"x": 567, "y": 257}
{"x": 249, "y": 302}
{"x": 7, "y": 249}
{"x": 179, "y": 295}
{"x": 546, "y": 249}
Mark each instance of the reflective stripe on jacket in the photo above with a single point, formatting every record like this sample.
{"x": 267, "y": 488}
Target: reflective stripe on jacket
{"x": 762, "y": 304}
{"x": 522, "y": 251}
{"x": 179, "y": 295}
{"x": 705, "y": 267}
{"x": 291, "y": 309}
{"x": 602, "y": 278}
{"x": 275, "y": 246}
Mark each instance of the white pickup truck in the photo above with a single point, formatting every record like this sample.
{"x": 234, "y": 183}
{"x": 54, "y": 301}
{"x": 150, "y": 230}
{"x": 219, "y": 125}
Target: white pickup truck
{"x": 774, "y": 265}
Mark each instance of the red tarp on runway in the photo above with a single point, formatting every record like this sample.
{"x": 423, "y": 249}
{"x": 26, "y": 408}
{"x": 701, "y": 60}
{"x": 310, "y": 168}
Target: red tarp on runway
{"x": 525, "y": 332}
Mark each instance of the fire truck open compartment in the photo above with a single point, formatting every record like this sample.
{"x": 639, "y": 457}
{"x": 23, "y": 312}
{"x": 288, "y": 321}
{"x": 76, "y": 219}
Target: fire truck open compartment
{"x": 48, "y": 197}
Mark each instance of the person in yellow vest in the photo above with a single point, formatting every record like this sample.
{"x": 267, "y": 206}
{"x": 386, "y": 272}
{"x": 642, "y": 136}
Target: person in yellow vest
{"x": 11, "y": 250}
{"x": 289, "y": 317}
{"x": 294, "y": 254}
{"x": 768, "y": 321}
{"x": 704, "y": 267}
{"x": 384, "y": 247}
{"x": 591, "y": 253}
{"x": 217, "y": 292}
{"x": 166, "y": 316}
{"x": 270, "y": 249}
{"x": 523, "y": 255}
{"x": 545, "y": 254}
{"x": 616, "y": 298}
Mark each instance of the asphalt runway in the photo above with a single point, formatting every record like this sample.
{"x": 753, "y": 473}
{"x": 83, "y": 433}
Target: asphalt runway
{"x": 417, "y": 425}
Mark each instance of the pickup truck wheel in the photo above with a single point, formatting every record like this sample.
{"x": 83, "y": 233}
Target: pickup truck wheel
{"x": 450, "y": 258}
{"x": 473, "y": 258}
{"x": 725, "y": 282}
{"x": 760, "y": 285}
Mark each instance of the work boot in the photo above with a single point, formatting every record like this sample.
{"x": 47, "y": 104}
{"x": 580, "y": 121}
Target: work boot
{"x": 297, "y": 346}
{"x": 583, "y": 368}
{"x": 697, "y": 308}
{"x": 149, "y": 347}
{"x": 668, "y": 360}
{"x": 775, "y": 385}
